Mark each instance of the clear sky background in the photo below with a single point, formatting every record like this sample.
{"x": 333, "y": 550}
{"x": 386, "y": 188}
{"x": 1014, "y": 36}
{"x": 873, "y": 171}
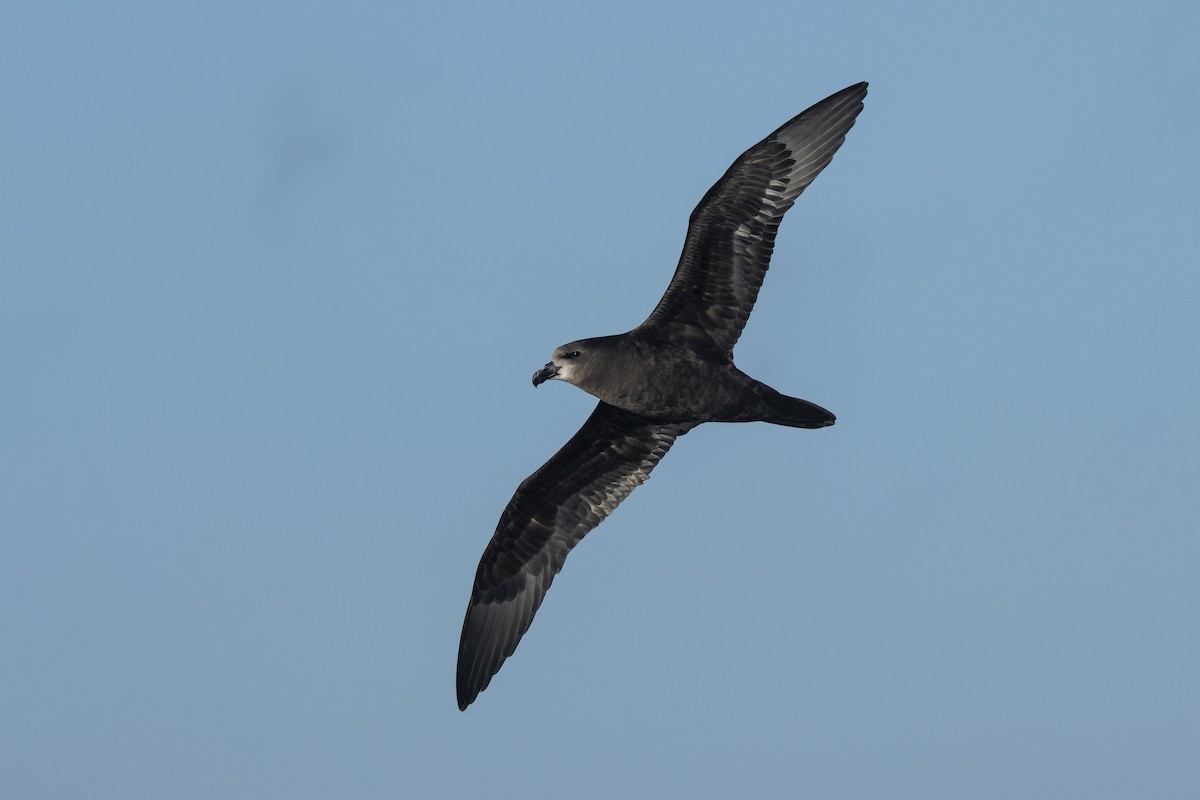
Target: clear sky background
{"x": 273, "y": 281}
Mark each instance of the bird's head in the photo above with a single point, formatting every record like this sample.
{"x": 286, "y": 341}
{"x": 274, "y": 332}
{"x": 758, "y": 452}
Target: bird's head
{"x": 568, "y": 363}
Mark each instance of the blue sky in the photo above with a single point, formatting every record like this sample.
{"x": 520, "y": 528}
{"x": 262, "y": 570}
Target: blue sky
{"x": 274, "y": 277}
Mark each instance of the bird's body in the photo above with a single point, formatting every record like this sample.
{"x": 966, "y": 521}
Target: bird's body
{"x": 655, "y": 383}
{"x": 660, "y": 380}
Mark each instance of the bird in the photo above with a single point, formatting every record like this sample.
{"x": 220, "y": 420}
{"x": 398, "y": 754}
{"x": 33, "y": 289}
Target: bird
{"x": 654, "y": 384}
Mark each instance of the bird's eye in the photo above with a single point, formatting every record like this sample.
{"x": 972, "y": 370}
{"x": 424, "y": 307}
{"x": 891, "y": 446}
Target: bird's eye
{"x": 573, "y": 354}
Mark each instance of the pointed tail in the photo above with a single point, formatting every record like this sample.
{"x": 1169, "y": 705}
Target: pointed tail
{"x": 792, "y": 411}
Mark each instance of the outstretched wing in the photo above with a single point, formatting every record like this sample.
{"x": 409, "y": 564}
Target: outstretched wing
{"x": 552, "y": 510}
{"x": 731, "y": 233}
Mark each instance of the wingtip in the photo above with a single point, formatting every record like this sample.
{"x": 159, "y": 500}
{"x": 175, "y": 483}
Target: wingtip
{"x": 465, "y": 695}
{"x": 858, "y": 89}
{"x": 466, "y": 687}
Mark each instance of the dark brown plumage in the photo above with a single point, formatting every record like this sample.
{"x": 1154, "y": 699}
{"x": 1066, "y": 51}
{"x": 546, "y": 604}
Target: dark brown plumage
{"x": 655, "y": 383}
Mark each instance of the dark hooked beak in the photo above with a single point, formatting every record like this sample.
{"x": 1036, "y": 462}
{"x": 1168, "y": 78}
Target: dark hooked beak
{"x": 544, "y": 374}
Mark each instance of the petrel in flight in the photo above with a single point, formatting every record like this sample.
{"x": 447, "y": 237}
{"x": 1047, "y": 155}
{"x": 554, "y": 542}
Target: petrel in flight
{"x": 655, "y": 383}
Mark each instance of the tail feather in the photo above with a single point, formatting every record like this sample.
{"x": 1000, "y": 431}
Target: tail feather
{"x": 792, "y": 411}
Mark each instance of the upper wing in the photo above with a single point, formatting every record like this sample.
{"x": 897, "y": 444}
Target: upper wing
{"x": 731, "y": 233}
{"x": 552, "y": 510}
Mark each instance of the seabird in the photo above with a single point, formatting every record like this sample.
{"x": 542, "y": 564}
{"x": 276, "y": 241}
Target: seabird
{"x": 655, "y": 383}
